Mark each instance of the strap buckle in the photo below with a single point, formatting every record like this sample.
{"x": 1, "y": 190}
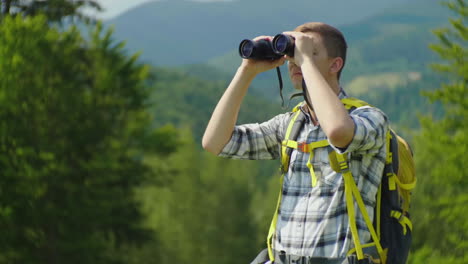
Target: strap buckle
{"x": 398, "y": 215}
{"x": 402, "y": 217}
{"x": 343, "y": 166}
{"x": 303, "y": 147}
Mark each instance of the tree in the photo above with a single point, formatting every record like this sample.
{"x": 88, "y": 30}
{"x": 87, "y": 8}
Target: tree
{"x": 441, "y": 220}
{"x": 74, "y": 128}
{"x": 201, "y": 213}
{"x": 54, "y": 10}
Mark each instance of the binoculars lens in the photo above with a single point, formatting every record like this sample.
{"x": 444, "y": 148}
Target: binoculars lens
{"x": 280, "y": 44}
{"x": 283, "y": 44}
{"x": 258, "y": 50}
{"x": 246, "y": 48}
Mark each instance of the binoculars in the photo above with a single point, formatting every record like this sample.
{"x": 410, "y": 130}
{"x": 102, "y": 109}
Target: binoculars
{"x": 264, "y": 49}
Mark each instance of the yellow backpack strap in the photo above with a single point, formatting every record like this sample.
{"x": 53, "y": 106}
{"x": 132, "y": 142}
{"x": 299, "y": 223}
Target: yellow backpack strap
{"x": 351, "y": 102}
{"x": 308, "y": 148}
{"x": 284, "y": 148}
{"x": 284, "y": 167}
{"x": 288, "y": 142}
{"x": 312, "y": 146}
{"x": 404, "y": 221}
{"x": 392, "y": 178}
{"x": 300, "y": 147}
{"x": 398, "y": 162}
{"x": 272, "y": 229}
{"x": 296, "y": 108}
{"x": 352, "y": 191}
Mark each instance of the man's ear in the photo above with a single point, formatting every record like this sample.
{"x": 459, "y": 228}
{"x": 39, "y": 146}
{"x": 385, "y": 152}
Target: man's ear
{"x": 336, "y": 65}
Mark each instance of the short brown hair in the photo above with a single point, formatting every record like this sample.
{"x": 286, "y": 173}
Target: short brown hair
{"x": 333, "y": 39}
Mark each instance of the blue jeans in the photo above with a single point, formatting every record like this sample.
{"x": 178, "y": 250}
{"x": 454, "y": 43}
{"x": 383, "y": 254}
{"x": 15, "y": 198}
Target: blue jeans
{"x": 283, "y": 258}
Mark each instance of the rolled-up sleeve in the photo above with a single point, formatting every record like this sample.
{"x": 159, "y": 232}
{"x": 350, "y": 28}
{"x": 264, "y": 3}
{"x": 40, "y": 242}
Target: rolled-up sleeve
{"x": 371, "y": 125}
{"x": 256, "y": 141}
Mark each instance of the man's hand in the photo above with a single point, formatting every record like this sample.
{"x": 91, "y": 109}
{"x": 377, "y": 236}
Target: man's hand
{"x": 306, "y": 47}
{"x": 255, "y": 67}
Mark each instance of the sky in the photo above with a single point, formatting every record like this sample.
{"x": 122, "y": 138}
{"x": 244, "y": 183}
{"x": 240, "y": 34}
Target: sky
{"x": 116, "y": 7}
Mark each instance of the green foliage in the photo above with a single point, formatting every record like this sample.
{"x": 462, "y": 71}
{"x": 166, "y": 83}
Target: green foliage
{"x": 263, "y": 206}
{"x": 428, "y": 255}
{"x": 187, "y": 101}
{"x": 79, "y": 145}
{"x": 201, "y": 211}
{"x": 54, "y": 10}
{"x": 440, "y": 201}
{"x": 73, "y": 125}
{"x": 403, "y": 104}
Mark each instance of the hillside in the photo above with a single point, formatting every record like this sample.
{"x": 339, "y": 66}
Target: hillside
{"x": 387, "y": 58}
{"x": 185, "y": 32}
{"x": 188, "y": 101}
{"x": 396, "y": 38}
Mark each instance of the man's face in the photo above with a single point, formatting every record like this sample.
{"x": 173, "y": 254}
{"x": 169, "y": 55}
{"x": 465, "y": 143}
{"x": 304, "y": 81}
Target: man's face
{"x": 320, "y": 58}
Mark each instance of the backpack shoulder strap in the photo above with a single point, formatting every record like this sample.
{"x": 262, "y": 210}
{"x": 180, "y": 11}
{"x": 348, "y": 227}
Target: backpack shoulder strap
{"x": 292, "y": 131}
{"x": 297, "y": 121}
{"x": 352, "y": 194}
{"x": 351, "y": 102}
{"x": 294, "y": 127}
{"x": 289, "y": 143}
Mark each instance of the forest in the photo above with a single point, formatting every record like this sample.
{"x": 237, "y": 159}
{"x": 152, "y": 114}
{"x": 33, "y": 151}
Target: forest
{"x": 101, "y": 158}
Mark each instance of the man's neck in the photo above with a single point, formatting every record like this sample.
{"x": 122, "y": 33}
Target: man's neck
{"x": 335, "y": 86}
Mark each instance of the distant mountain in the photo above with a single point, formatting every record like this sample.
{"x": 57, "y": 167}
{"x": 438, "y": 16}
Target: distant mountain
{"x": 387, "y": 58}
{"x": 393, "y": 43}
{"x": 396, "y": 37}
{"x": 186, "y": 32}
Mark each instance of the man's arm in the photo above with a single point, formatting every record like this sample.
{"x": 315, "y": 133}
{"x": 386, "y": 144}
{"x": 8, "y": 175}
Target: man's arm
{"x": 224, "y": 117}
{"x": 332, "y": 115}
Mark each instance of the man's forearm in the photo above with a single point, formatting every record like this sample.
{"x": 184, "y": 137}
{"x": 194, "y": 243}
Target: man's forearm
{"x": 224, "y": 117}
{"x": 332, "y": 115}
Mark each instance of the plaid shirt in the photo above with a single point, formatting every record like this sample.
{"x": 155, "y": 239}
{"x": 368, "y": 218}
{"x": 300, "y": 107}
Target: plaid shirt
{"x": 313, "y": 221}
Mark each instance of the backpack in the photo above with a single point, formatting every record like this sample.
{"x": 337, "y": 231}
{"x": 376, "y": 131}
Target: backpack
{"x": 391, "y": 229}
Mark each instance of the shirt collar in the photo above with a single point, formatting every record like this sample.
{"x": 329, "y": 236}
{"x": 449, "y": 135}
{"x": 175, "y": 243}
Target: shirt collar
{"x": 342, "y": 94}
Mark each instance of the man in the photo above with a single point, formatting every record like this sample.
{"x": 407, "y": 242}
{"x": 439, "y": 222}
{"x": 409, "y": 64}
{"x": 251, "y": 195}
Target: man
{"x": 313, "y": 221}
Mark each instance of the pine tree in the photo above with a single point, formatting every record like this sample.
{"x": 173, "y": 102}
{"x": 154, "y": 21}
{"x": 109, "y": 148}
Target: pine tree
{"x": 54, "y": 10}
{"x": 441, "y": 220}
{"x": 200, "y": 211}
{"x": 74, "y": 127}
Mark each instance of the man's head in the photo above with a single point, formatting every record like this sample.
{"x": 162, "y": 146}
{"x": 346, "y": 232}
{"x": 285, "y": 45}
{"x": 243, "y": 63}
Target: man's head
{"x": 332, "y": 38}
{"x": 330, "y": 55}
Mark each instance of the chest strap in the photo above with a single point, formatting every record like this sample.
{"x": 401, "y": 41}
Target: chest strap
{"x": 307, "y": 148}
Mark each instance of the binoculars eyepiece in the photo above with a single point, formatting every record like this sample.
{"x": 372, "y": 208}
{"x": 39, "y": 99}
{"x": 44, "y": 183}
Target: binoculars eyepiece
{"x": 264, "y": 49}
